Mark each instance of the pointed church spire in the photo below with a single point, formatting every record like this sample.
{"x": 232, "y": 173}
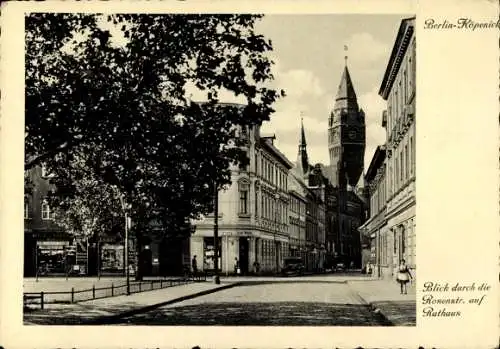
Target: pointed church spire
{"x": 302, "y": 158}
{"x": 302, "y": 133}
{"x": 346, "y": 96}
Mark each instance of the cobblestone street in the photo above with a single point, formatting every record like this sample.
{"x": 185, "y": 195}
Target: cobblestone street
{"x": 281, "y": 304}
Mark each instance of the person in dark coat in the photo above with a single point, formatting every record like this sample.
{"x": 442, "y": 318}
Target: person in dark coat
{"x": 194, "y": 265}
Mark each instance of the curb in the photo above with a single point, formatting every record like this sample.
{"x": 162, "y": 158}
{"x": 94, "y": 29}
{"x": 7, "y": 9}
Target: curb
{"x": 372, "y": 308}
{"x": 285, "y": 281}
{"x": 110, "y": 319}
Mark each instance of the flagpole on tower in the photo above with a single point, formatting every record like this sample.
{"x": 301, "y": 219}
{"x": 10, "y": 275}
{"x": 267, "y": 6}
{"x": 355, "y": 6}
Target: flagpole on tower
{"x": 345, "y": 56}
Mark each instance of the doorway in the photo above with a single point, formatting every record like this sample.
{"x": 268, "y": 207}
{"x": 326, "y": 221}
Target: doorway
{"x": 243, "y": 255}
{"x": 171, "y": 257}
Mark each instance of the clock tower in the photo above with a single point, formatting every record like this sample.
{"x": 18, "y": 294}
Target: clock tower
{"x": 346, "y": 135}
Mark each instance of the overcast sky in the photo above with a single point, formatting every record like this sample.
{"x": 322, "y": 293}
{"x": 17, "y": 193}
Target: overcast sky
{"x": 309, "y": 51}
{"x": 309, "y": 55}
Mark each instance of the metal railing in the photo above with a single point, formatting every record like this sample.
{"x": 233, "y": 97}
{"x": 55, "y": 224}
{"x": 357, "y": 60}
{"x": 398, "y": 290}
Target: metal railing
{"x": 40, "y": 299}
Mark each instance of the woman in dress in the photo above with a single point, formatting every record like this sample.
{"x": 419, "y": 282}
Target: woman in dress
{"x": 403, "y": 275}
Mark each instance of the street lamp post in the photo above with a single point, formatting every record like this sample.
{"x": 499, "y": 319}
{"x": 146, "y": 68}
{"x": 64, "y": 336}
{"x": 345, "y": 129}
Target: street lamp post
{"x": 127, "y": 269}
{"x": 126, "y": 247}
{"x": 216, "y": 234}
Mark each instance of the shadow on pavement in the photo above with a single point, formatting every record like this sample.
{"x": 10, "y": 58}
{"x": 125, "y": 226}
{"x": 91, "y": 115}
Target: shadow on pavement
{"x": 400, "y": 313}
{"x": 75, "y": 314}
{"x": 261, "y": 314}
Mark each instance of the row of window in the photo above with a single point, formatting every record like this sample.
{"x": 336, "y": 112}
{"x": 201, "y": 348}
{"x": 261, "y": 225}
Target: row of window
{"x": 378, "y": 198}
{"x": 272, "y": 173}
{"x": 47, "y": 213}
{"x": 268, "y": 252}
{"x": 296, "y": 205}
{"x": 402, "y": 89}
{"x": 400, "y": 244}
{"x": 273, "y": 209}
{"x": 334, "y": 152}
{"x": 402, "y": 164}
{"x": 296, "y": 231}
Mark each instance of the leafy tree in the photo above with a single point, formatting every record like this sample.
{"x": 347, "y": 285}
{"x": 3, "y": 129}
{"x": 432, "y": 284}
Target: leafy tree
{"x": 122, "y": 108}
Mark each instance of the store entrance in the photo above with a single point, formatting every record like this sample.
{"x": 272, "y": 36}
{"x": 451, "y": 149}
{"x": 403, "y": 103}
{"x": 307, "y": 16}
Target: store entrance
{"x": 244, "y": 255}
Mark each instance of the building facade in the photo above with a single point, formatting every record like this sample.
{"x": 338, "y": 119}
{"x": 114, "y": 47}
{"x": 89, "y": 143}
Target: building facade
{"x": 253, "y": 215}
{"x": 47, "y": 247}
{"x": 318, "y": 215}
{"x": 50, "y": 250}
{"x": 397, "y": 239}
{"x": 375, "y": 228}
{"x": 297, "y": 216}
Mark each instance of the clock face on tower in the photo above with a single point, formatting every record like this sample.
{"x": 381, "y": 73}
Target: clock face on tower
{"x": 352, "y": 135}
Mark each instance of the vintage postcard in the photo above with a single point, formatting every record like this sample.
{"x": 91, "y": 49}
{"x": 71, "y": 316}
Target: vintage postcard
{"x": 250, "y": 175}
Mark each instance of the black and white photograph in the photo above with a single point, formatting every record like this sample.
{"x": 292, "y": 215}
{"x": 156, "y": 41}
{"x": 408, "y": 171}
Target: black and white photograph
{"x": 222, "y": 174}
{"x": 227, "y": 169}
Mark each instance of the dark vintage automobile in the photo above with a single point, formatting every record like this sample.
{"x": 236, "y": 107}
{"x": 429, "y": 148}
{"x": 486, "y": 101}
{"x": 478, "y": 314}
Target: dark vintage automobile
{"x": 292, "y": 266}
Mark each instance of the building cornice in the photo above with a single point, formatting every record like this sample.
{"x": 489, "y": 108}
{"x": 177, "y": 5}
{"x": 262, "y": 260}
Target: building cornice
{"x": 398, "y": 52}
{"x": 377, "y": 161}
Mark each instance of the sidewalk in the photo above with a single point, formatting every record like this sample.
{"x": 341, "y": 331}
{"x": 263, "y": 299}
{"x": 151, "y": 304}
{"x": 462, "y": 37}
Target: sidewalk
{"x": 335, "y": 278}
{"x": 384, "y": 297}
{"x": 103, "y": 311}
{"x": 52, "y": 284}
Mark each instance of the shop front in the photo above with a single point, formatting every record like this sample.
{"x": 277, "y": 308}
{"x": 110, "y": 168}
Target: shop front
{"x": 209, "y": 254}
{"x": 112, "y": 259}
{"x": 54, "y": 257}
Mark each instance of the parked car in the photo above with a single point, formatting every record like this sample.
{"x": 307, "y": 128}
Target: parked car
{"x": 340, "y": 267}
{"x": 293, "y": 266}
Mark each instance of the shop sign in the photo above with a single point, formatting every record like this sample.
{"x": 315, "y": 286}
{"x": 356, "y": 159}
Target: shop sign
{"x": 245, "y": 234}
{"x": 52, "y": 243}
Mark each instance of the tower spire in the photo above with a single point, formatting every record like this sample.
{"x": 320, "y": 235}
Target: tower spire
{"x": 302, "y": 132}
{"x": 302, "y": 158}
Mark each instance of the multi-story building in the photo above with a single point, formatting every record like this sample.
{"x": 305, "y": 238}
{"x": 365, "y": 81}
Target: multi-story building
{"x": 253, "y": 217}
{"x": 46, "y": 245}
{"x": 49, "y": 249}
{"x": 397, "y": 239}
{"x": 297, "y": 215}
{"x": 375, "y": 228}
{"x": 317, "y": 216}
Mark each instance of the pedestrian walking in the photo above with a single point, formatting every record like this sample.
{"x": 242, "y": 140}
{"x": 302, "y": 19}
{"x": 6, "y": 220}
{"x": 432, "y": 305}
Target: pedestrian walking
{"x": 236, "y": 266}
{"x": 194, "y": 265}
{"x": 404, "y": 275}
{"x": 256, "y": 267}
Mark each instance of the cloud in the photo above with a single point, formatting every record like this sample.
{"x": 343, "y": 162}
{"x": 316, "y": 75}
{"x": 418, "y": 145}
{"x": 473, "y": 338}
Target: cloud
{"x": 373, "y": 106}
{"x": 299, "y": 83}
{"x": 364, "y": 47}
